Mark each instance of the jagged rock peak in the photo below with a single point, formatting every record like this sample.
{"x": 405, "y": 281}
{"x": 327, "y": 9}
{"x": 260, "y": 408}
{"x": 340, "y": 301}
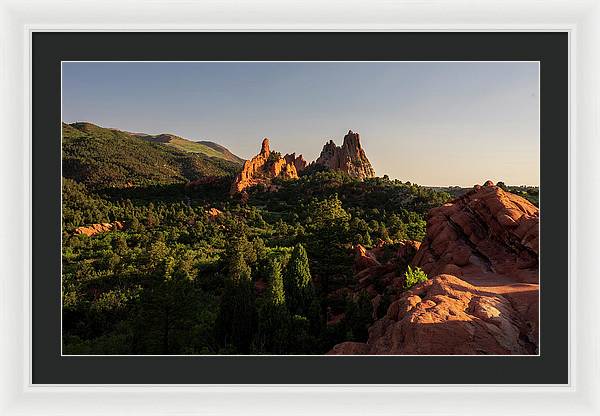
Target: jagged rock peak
{"x": 352, "y": 140}
{"x": 265, "y": 148}
{"x": 350, "y": 157}
{"x": 298, "y": 162}
{"x": 260, "y": 170}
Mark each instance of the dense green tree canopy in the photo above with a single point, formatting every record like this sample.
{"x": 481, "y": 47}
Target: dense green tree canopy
{"x": 263, "y": 275}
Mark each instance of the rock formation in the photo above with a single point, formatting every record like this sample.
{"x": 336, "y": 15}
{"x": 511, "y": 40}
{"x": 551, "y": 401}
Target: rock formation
{"x": 481, "y": 251}
{"x": 261, "y": 169}
{"x": 298, "y": 162}
{"x": 447, "y": 315}
{"x": 214, "y": 213}
{"x": 93, "y": 229}
{"x": 485, "y": 230}
{"x": 350, "y": 157}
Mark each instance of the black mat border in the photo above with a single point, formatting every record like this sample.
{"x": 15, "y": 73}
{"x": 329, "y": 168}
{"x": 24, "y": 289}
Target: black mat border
{"x": 50, "y": 48}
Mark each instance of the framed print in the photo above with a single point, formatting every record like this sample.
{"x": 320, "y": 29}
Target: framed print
{"x": 181, "y": 251}
{"x": 226, "y": 212}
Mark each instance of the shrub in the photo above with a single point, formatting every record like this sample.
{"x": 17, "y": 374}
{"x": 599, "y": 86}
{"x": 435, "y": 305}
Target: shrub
{"x": 414, "y": 277}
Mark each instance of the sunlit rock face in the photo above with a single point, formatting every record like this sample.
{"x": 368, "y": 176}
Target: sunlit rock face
{"x": 349, "y": 158}
{"x": 260, "y": 169}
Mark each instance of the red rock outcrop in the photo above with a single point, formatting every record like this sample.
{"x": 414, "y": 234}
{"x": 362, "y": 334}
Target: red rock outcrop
{"x": 446, "y": 315}
{"x": 350, "y": 157}
{"x": 487, "y": 230}
{"x": 482, "y": 252}
{"x": 214, "y": 213}
{"x": 283, "y": 168}
{"x": 93, "y": 229}
{"x": 261, "y": 170}
{"x": 298, "y": 162}
{"x": 364, "y": 259}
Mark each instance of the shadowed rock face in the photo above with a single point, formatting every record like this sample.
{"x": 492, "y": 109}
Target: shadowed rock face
{"x": 260, "y": 170}
{"x": 482, "y": 252}
{"x": 299, "y": 162}
{"x": 349, "y": 158}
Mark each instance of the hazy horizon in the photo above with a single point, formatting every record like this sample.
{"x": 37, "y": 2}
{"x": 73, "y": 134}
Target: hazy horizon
{"x": 430, "y": 123}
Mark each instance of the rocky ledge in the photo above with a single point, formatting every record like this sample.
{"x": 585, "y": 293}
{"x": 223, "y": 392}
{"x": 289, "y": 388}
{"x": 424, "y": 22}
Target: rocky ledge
{"x": 481, "y": 251}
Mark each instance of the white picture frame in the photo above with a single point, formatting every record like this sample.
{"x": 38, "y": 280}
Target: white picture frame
{"x": 18, "y": 19}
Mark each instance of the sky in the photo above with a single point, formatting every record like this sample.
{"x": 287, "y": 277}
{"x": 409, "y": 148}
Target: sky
{"x": 430, "y": 123}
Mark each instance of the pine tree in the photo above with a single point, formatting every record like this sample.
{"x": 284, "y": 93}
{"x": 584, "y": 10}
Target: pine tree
{"x": 329, "y": 227}
{"x": 298, "y": 282}
{"x": 275, "y": 292}
{"x": 302, "y": 300}
{"x": 235, "y": 325}
{"x": 239, "y": 271}
{"x": 273, "y": 317}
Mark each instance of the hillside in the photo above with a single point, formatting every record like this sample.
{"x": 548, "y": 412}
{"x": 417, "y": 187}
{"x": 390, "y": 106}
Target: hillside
{"x": 102, "y": 157}
{"x": 206, "y": 148}
{"x": 223, "y": 150}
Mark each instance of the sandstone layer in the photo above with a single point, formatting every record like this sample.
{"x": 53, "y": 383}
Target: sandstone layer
{"x": 481, "y": 251}
{"x": 447, "y": 315}
{"x": 487, "y": 230}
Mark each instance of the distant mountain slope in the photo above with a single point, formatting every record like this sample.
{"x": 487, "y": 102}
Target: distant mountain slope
{"x": 222, "y": 150}
{"x": 104, "y": 157}
{"x": 207, "y": 148}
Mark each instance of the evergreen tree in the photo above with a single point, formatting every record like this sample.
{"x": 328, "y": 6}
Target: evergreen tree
{"x": 275, "y": 292}
{"x": 237, "y": 312}
{"x": 168, "y": 301}
{"x": 298, "y": 282}
{"x": 273, "y": 316}
{"x": 329, "y": 228}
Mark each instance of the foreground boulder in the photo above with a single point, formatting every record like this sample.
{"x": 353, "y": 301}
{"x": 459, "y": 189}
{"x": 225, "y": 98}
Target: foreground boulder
{"x": 349, "y": 158}
{"x": 481, "y": 251}
{"x": 446, "y": 315}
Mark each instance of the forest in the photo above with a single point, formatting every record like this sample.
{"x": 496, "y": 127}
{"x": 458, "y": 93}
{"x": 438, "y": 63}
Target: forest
{"x": 197, "y": 271}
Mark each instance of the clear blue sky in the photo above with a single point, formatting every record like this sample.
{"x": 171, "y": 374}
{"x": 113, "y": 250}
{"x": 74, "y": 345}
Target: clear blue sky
{"x": 431, "y": 123}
